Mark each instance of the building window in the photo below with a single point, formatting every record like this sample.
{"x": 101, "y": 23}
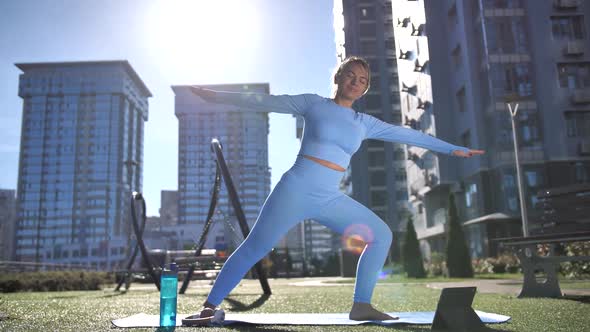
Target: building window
{"x": 470, "y": 195}
{"x": 574, "y": 75}
{"x": 377, "y": 178}
{"x": 368, "y": 47}
{"x": 388, "y": 8}
{"x": 375, "y": 83}
{"x": 506, "y": 4}
{"x": 452, "y": 17}
{"x": 567, "y": 27}
{"x": 376, "y": 158}
{"x": 373, "y": 102}
{"x": 466, "y": 139}
{"x": 373, "y": 66}
{"x": 506, "y": 34}
{"x": 577, "y": 124}
{"x": 368, "y": 29}
{"x": 509, "y": 186}
{"x": 379, "y": 198}
{"x": 401, "y": 195}
{"x": 511, "y": 79}
{"x": 582, "y": 172}
{"x": 400, "y": 174}
{"x": 529, "y": 129}
{"x": 439, "y": 217}
{"x": 367, "y": 13}
{"x": 532, "y": 178}
{"x": 456, "y": 56}
{"x": 461, "y": 104}
{"x": 391, "y": 63}
{"x": 376, "y": 144}
{"x": 390, "y": 44}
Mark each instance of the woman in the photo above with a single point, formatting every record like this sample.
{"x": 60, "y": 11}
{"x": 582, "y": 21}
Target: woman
{"x": 310, "y": 188}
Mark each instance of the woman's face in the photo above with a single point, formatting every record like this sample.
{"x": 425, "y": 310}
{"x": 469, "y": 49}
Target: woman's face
{"x": 352, "y": 82}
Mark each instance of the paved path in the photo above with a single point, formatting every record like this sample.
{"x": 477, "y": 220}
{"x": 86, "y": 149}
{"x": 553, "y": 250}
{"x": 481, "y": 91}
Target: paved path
{"x": 494, "y": 286}
{"x": 499, "y": 286}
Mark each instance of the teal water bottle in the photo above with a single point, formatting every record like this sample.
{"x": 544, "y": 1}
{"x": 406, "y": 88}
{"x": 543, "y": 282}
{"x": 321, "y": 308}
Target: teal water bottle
{"x": 168, "y": 295}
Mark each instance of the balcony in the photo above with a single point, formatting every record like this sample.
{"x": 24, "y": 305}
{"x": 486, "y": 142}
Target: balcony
{"x": 417, "y": 30}
{"x": 416, "y": 159}
{"x": 405, "y": 55}
{"x": 430, "y": 178}
{"x": 411, "y": 123}
{"x": 418, "y": 67}
{"x": 584, "y": 147}
{"x": 566, "y": 4}
{"x": 573, "y": 48}
{"x": 581, "y": 96}
{"x": 409, "y": 89}
{"x": 423, "y": 104}
{"x": 403, "y": 23}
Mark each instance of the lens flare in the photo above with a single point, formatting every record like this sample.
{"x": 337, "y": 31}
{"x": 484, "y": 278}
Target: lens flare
{"x": 384, "y": 274}
{"x": 355, "y": 238}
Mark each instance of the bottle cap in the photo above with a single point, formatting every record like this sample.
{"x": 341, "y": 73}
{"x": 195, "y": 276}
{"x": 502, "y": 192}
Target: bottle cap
{"x": 173, "y": 267}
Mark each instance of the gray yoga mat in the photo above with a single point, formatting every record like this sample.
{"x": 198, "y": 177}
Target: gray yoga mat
{"x": 419, "y": 318}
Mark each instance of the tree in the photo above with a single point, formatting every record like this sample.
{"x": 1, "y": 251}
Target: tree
{"x": 288, "y": 262}
{"x": 411, "y": 255}
{"x": 458, "y": 258}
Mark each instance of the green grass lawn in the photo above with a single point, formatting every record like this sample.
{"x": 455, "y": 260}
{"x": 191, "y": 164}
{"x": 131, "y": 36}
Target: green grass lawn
{"x": 93, "y": 310}
{"x": 517, "y": 277}
{"x": 398, "y": 278}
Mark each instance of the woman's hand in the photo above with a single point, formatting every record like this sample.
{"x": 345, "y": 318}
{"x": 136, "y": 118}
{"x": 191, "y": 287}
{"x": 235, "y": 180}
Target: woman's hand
{"x": 207, "y": 95}
{"x": 470, "y": 153}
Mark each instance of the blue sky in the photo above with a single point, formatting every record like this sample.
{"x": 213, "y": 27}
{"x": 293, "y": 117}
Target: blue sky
{"x": 288, "y": 44}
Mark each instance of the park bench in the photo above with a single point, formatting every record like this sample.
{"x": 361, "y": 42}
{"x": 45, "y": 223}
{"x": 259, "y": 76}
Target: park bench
{"x": 564, "y": 219}
{"x": 204, "y": 267}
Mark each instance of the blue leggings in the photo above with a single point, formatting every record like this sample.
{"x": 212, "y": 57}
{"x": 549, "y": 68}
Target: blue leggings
{"x": 309, "y": 190}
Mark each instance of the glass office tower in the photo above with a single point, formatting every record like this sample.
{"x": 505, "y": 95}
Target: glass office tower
{"x": 81, "y": 157}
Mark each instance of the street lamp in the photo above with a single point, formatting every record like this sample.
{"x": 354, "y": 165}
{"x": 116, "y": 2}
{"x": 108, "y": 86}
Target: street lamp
{"x": 523, "y": 211}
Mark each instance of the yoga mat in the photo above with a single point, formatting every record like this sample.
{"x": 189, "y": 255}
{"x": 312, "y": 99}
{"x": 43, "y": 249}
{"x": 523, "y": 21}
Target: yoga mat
{"x": 419, "y": 318}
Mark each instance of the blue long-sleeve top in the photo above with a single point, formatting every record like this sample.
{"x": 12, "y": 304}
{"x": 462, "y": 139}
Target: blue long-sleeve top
{"x": 333, "y": 132}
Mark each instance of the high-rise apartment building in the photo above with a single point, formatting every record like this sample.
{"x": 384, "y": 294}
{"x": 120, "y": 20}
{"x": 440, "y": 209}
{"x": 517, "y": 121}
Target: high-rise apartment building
{"x": 7, "y": 224}
{"x": 169, "y": 208}
{"x": 81, "y": 157}
{"x": 244, "y": 138}
{"x": 481, "y": 55}
{"x": 377, "y": 173}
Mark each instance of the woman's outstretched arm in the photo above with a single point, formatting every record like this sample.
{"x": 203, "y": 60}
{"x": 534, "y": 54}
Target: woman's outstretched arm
{"x": 291, "y": 104}
{"x": 377, "y": 129}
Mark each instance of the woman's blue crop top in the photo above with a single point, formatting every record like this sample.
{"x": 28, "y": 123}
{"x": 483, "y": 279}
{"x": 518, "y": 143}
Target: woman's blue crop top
{"x": 333, "y": 132}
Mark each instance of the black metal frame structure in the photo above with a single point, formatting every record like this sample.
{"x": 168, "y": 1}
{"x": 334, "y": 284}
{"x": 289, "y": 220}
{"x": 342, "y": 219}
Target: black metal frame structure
{"x": 221, "y": 171}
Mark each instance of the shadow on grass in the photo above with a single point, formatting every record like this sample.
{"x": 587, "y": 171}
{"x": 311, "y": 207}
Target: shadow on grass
{"x": 239, "y": 306}
{"x": 256, "y": 328}
{"x": 75, "y": 296}
{"x": 265, "y": 328}
{"x": 117, "y": 293}
{"x": 579, "y": 298}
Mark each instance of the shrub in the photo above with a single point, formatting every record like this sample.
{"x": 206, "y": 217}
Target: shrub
{"x": 53, "y": 281}
{"x": 483, "y": 265}
{"x": 506, "y": 262}
{"x": 576, "y": 269}
{"x": 458, "y": 258}
{"x": 411, "y": 255}
{"x": 437, "y": 265}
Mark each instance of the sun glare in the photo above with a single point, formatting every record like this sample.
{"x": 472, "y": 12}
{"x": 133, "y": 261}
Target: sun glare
{"x": 199, "y": 36}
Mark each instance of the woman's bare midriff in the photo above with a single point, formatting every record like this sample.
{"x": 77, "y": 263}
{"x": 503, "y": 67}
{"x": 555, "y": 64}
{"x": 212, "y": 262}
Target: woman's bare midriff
{"x": 325, "y": 163}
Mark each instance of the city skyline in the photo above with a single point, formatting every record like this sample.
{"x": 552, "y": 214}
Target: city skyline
{"x": 156, "y": 40}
